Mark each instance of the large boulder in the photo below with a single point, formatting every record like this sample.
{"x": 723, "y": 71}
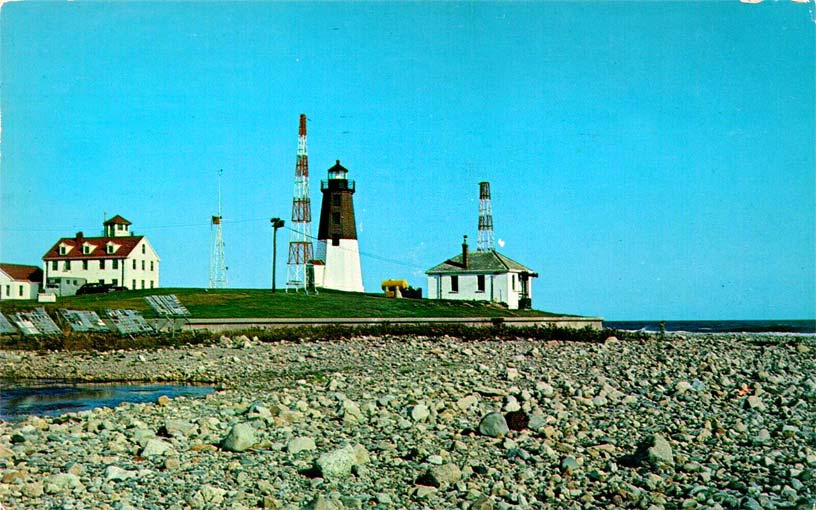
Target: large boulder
{"x": 240, "y": 438}
{"x": 493, "y": 425}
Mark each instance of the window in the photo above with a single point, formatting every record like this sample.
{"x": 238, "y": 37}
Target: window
{"x": 115, "y": 263}
{"x": 151, "y": 265}
{"x": 454, "y": 283}
{"x": 86, "y": 249}
{"x": 514, "y": 281}
{"x": 480, "y": 282}
{"x": 144, "y": 248}
{"x": 21, "y": 291}
{"x": 110, "y": 249}
{"x": 102, "y": 264}
{"x": 67, "y": 265}
{"x": 54, "y": 265}
{"x": 143, "y": 284}
{"x": 143, "y": 265}
{"x": 335, "y": 218}
{"x": 134, "y": 285}
{"x": 336, "y": 200}
{"x": 62, "y": 250}
{"x": 134, "y": 267}
{"x": 8, "y": 290}
{"x": 336, "y": 240}
{"x": 115, "y": 281}
{"x": 85, "y": 265}
{"x": 151, "y": 283}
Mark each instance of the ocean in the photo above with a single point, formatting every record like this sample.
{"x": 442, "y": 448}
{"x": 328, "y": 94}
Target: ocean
{"x": 804, "y": 327}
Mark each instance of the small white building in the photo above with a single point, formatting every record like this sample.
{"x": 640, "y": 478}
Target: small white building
{"x": 19, "y": 281}
{"x": 482, "y": 276}
{"x": 118, "y": 258}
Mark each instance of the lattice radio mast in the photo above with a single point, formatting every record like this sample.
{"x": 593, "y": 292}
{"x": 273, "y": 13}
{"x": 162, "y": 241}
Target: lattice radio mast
{"x": 485, "y": 240}
{"x": 218, "y": 264}
{"x": 300, "y": 239}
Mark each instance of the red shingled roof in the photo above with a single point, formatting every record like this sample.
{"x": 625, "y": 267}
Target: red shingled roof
{"x": 22, "y": 273}
{"x": 117, "y": 219}
{"x": 126, "y": 245}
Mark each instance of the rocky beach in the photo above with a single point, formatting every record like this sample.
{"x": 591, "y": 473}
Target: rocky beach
{"x": 685, "y": 421}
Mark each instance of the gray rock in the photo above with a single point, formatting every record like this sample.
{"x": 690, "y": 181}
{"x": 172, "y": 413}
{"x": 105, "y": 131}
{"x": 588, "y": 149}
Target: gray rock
{"x": 441, "y": 476}
{"x": 682, "y": 387}
{"x": 762, "y": 437}
{"x": 321, "y": 502}
{"x": 754, "y": 402}
{"x": 6, "y": 452}
{"x": 466, "y": 402}
{"x": 300, "y": 444}
{"x": 660, "y": 452}
{"x": 493, "y": 425}
{"x": 420, "y": 412}
{"x": 62, "y": 482}
{"x": 207, "y": 496}
{"x": 115, "y": 473}
{"x": 569, "y": 465}
{"x": 155, "y": 447}
{"x": 545, "y": 389}
{"x": 338, "y": 463}
{"x": 240, "y": 438}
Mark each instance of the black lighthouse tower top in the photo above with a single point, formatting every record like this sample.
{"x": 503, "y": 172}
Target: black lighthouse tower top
{"x": 337, "y": 208}
{"x": 338, "y": 179}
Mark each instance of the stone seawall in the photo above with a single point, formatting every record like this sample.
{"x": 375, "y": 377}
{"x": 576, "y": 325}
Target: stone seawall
{"x": 223, "y": 325}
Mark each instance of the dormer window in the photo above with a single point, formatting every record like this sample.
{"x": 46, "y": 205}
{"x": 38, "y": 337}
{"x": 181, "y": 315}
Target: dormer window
{"x": 64, "y": 249}
{"x": 87, "y": 248}
{"x": 110, "y": 248}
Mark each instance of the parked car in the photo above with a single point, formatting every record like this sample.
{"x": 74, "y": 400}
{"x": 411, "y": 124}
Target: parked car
{"x": 99, "y": 288}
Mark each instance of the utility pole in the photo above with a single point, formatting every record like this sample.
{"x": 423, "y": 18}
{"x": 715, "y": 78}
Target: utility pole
{"x": 276, "y": 224}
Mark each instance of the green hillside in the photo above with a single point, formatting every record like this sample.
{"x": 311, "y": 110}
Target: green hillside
{"x": 262, "y": 303}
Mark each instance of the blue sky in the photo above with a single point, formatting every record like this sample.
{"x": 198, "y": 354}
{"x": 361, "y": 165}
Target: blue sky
{"x": 648, "y": 160}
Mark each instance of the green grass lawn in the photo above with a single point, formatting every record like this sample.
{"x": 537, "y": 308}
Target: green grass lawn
{"x": 262, "y": 303}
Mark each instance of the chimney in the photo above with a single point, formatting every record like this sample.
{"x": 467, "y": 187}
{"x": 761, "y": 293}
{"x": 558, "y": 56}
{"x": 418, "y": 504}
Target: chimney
{"x": 79, "y": 237}
{"x": 465, "y": 253}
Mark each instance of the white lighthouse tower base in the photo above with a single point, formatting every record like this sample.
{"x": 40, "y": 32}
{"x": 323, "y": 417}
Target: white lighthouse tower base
{"x": 341, "y": 269}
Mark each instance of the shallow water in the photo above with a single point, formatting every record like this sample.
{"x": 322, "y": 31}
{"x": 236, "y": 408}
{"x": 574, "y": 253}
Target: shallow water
{"x": 53, "y": 398}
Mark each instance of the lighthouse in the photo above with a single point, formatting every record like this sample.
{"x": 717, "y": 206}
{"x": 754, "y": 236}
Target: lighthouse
{"x": 338, "y": 254}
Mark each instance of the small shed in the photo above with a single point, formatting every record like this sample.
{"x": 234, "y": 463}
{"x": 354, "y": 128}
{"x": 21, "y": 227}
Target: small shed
{"x": 482, "y": 276}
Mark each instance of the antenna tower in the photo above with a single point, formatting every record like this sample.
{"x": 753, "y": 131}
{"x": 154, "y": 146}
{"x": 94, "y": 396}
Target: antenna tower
{"x": 218, "y": 264}
{"x": 300, "y": 239}
{"x": 485, "y": 240}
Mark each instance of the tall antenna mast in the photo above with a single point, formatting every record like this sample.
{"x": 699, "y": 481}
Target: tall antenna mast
{"x": 300, "y": 238}
{"x": 485, "y": 240}
{"x": 218, "y": 264}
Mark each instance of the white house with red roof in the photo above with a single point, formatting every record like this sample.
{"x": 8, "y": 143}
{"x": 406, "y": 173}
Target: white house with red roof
{"x": 18, "y": 281}
{"x": 118, "y": 258}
